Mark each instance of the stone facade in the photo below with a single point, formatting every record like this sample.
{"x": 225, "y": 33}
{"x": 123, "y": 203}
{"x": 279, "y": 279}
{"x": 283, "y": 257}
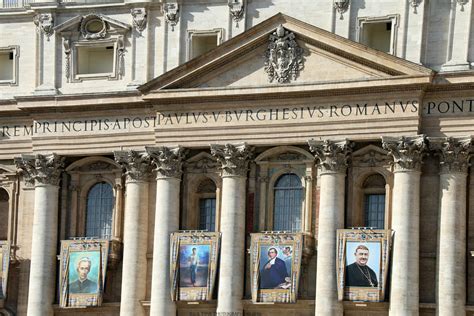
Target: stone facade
{"x": 109, "y": 92}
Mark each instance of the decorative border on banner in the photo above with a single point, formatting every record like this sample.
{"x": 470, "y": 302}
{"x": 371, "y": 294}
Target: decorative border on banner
{"x": 179, "y": 241}
{"x": 72, "y": 247}
{"x": 279, "y": 240}
{"x": 365, "y": 237}
{"x": 4, "y": 267}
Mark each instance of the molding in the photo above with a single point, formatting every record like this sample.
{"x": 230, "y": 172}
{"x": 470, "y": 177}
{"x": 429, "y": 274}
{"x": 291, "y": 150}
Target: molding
{"x": 392, "y": 18}
{"x": 15, "y": 49}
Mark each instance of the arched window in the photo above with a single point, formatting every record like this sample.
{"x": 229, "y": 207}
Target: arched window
{"x": 207, "y": 205}
{"x": 374, "y": 201}
{"x": 99, "y": 211}
{"x": 4, "y": 207}
{"x": 288, "y": 194}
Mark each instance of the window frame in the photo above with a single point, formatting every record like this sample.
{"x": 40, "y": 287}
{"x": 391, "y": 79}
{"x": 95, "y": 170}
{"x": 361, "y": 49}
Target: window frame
{"x": 272, "y": 185}
{"x": 15, "y": 49}
{"x": 191, "y": 34}
{"x": 87, "y": 192}
{"x": 392, "y": 18}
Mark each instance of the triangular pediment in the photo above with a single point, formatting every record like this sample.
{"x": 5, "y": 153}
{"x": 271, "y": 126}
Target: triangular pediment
{"x": 326, "y": 61}
{"x": 79, "y": 24}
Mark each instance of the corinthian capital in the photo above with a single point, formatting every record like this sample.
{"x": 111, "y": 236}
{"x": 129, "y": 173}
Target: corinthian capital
{"x": 136, "y": 164}
{"x": 234, "y": 159}
{"x": 40, "y": 169}
{"x": 168, "y": 161}
{"x": 331, "y": 156}
{"x": 453, "y": 152}
{"x": 407, "y": 152}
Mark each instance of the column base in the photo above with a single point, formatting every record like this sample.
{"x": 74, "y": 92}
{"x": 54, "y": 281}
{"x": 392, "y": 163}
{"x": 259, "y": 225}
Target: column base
{"x": 455, "y": 66}
{"x": 45, "y": 90}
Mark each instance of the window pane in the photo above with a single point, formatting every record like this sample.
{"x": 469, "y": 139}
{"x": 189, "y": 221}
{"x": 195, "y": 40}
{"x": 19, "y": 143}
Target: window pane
{"x": 375, "y": 211}
{"x": 100, "y": 205}
{"x": 288, "y": 194}
{"x": 207, "y": 214}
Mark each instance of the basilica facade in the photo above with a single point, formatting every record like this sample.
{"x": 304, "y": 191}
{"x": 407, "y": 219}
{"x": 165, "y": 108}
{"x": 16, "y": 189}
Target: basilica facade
{"x": 176, "y": 157}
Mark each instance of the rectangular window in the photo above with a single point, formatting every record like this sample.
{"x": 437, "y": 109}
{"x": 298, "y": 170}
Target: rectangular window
{"x": 9, "y": 65}
{"x": 379, "y": 33}
{"x": 95, "y": 60}
{"x": 374, "y": 207}
{"x": 200, "y": 42}
{"x": 207, "y": 214}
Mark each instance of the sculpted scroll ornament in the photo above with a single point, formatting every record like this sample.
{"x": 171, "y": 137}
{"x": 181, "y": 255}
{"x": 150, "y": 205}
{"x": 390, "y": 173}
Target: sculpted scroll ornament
{"x": 414, "y": 4}
{"x": 454, "y": 153}
{"x": 171, "y": 11}
{"x": 341, "y": 6}
{"x": 283, "y": 58}
{"x": 462, "y": 3}
{"x": 236, "y": 10}
{"x": 168, "y": 161}
{"x": 139, "y": 16}
{"x": 44, "y": 23}
{"x": 332, "y": 156}
{"x": 42, "y": 169}
{"x": 136, "y": 164}
{"x": 234, "y": 159}
{"x": 407, "y": 152}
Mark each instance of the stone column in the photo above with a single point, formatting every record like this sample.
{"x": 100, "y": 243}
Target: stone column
{"x": 168, "y": 162}
{"x": 454, "y": 162}
{"x": 234, "y": 164}
{"x": 407, "y": 153}
{"x": 137, "y": 170}
{"x": 45, "y": 171}
{"x": 332, "y": 165}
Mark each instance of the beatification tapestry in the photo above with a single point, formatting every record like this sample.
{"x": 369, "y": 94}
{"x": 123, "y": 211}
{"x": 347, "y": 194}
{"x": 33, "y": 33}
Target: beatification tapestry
{"x": 193, "y": 265}
{"x": 83, "y": 265}
{"x": 4, "y": 265}
{"x": 275, "y": 262}
{"x": 362, "y": 264}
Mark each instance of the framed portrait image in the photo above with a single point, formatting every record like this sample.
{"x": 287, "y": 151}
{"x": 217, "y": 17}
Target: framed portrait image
{"x": 193, "y": 265}
{"x": 83, "y": 265}
{"x": 362, "y": 264}
{"x": 4, "y": 266}
{"x": 275, "y": 262}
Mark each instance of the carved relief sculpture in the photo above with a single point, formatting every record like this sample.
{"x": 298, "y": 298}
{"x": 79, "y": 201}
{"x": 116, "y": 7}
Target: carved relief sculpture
{"x": 283, "y": 58}
{"x": 234, "y": 159}
{"x": 407, "y": 152}
{"x": 44, "y": 23}
{"x": 236, "y": 10}
{"x": 332, "y": 156}
{"x": 139, "y": 16}
{"x": 168, "y": 160}
{"x": 341, "y": 6}
{"x": 171, "y": 11}
{"x": 93, "y": 27}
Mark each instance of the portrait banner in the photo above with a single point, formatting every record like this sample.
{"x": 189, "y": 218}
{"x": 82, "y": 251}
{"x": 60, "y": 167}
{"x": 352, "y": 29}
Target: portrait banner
{"x": 83, "y": 265}
{"x": 193, "y": 265}
{"x": 4, "y": 266}
{"x": 275, "y": 262}
{"x": 362, "y": 264}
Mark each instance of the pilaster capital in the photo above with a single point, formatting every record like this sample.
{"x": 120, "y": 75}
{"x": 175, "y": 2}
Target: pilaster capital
{"x": 407, "y": 151}
{"x": 136, "y": 164}
{"x": 40, "y": 169}
{"x": 453, "y": 152}
{"x": 234, "y": 159}
{"x": 168, "y": 161}
{"x": 331, "y": 156}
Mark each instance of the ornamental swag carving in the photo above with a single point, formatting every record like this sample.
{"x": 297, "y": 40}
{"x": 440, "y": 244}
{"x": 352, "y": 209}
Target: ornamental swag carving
{"x": 341, "y": 6}
{"x": 171, "y": 11}
{"x": 139, "y": 16}
{"x": 42, "y": 169}
{"x": 453, "y": 152}
{"x": 168, "y": 161}
{"x": 284, "y": 57}
{"x": 44, "y": 23}
{"x": 136, "y": 164}
{"x": 407, "y": 152}
{"x": 236, "y": 10}
{"x": 414, "y": 4}
{"x": 332, "y": 156}
{"x": 234, "y": 159}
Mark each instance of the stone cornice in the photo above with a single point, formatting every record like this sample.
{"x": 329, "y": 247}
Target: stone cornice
{"x": 136, "y": 164}
{"x": 331, "y": 156}
{"x": 41, "y": 169}
{"x": 234, "y": 158}
{"x": 167, "y": 160}
{"x": 454, "y": 153}
{"x": 407, "y": 151}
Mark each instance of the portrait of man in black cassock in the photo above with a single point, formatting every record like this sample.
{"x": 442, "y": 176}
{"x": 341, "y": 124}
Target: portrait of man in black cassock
{"x": 359, "y": 273}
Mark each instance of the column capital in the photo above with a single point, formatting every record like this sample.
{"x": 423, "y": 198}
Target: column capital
{"x": 331, "y": 155}
{"x": 453, "y": 152}
{"x": 234, "y": 159}
{"x": 407, "y": 151}
{"x": 168, "y": 161}
{"x": 136, "y": 164}
{"x": 40, "y": 169}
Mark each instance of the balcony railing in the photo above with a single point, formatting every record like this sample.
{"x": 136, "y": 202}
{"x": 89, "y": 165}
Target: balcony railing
{"x": 12, "y": 4}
